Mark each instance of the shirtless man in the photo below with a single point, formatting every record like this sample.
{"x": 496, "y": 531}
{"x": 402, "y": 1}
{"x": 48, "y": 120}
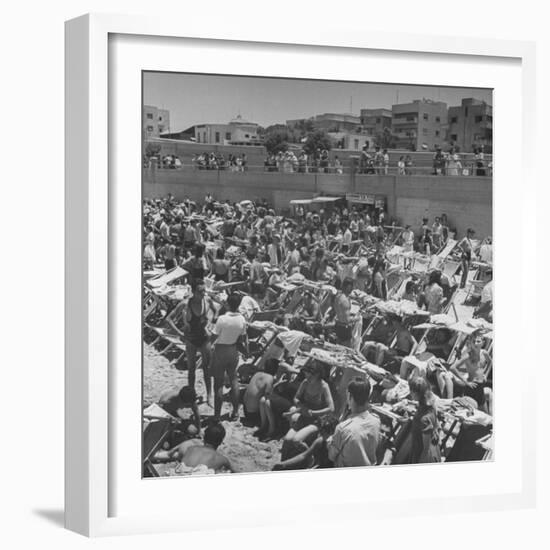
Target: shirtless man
{"x": 177, "y": 402}
{"x": 195, "y": 454}
{"x": 259, "y": 386}
{"x": 403, "y": 343}
{"x": 342, "y": 312}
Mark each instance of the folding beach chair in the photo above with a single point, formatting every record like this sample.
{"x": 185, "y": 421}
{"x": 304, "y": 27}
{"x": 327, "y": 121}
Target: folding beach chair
{"x": 149, "y": 304}
{"x": 166, "y": 278}
{"x": 172, "y": 340}
{"x": 450, "y": 268}
{"x": 421, "y": 263}
{"x": 475, "y": 289}
{"x": 267, "y": 315}
{"x": 154, "y": 435}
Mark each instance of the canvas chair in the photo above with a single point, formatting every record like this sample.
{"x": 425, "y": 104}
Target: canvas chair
{"x": 154, "y": 436}
{"x": 450, "y": 268}
{"x": 421, "y": 264}
{"x": 167, "y": 277}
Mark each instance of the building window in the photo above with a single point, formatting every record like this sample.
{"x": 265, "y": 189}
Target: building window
{"x": 198, "y": 138}
{"x": 437, "y": 119}
{"x": 150, "y": 116}
{"x": 454, "y": 137}
{"x": 247, "y": 135}
{"x": 150, "y": 128}
{"x": 478, "y": 118}
{"x": 425, "y": 116}
{"x": 378, "y": 120}
{"x": 217, "y": 137}
{"x": 454, "y": 119}
{"x": 437, "y": 133}
{"x": 228, "y": 135}
{"x": 356, "y": 143}
{"x": 424, "y": 131}
{"x": 160, "y": 118}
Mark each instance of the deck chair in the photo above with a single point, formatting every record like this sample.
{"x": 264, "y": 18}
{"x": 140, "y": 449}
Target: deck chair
{"x": 444, "y": 251}
{"x": 149, "y": 304}
{"x": 294, "y": 301}
{"x": 173, "y": 341}
{"x": 166, "y": 278}
{"x": 475, "y": 289}
{"x": 421, "y": 264}
{"x": 450, "y": 267}
{"x": 267, "y": 315}
{"x": 154, "y": 435}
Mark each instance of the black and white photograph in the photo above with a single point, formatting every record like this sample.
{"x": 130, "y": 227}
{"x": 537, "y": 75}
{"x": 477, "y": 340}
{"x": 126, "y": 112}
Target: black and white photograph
{"x": 317, "y": 272}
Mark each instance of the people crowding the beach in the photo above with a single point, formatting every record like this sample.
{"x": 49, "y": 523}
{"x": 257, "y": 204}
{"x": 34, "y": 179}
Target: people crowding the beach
{"x": 280, "y": 400}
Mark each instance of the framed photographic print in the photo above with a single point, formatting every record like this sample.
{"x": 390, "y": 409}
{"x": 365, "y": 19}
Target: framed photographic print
{"x": 281, "y": 257}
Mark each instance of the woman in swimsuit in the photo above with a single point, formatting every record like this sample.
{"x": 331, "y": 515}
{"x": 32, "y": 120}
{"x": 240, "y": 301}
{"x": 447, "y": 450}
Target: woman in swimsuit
{"x": 197, "y": 336}
{"x": 313, "y": 400}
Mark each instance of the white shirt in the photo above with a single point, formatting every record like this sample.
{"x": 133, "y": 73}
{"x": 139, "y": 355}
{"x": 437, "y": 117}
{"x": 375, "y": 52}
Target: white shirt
{"x": 486, "y": 253}
{"x": 487, "y": 293}
{"x": 347, "y": 237}
{"x": 229, "y": 327}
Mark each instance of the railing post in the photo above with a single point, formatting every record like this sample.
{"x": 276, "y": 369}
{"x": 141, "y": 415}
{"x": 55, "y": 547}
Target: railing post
{"x": 394, "y": 196}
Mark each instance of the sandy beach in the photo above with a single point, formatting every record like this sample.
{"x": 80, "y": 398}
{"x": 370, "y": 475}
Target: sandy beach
{"x": 246, "y": 453}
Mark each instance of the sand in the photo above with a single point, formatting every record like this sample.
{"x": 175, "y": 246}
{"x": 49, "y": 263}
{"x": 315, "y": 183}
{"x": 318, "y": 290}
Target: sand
{"x": 246, "y": 453}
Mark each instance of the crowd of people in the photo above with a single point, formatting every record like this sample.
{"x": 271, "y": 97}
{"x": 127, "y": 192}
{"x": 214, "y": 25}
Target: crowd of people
{"x": 450, "y": 163}
{"x": 377, "y": 161}
{"x": 259, "y": 258}
{"x": 300, "y": 162}
{"x": 218, "y": 161}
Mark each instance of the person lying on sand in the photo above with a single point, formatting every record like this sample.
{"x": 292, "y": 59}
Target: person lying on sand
{"x": 194, "y": 453}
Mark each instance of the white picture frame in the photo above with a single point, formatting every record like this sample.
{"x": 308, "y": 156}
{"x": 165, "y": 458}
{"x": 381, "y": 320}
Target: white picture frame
{"x": 92, "y": 207}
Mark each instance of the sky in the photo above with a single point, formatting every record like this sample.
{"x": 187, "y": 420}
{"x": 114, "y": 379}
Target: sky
{"x": 197, "y": 99}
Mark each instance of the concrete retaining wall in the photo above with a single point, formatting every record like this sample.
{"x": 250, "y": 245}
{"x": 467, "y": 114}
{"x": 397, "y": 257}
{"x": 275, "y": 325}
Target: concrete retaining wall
{"x": 467, "y": 201}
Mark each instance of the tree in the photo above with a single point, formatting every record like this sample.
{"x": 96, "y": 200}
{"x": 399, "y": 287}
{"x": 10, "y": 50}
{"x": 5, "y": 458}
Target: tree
{"x": 276, "y": 141}
{"x": 152, "y": 149}
{"x": 385, "y": 139}
{"x": 317, "y": 139}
